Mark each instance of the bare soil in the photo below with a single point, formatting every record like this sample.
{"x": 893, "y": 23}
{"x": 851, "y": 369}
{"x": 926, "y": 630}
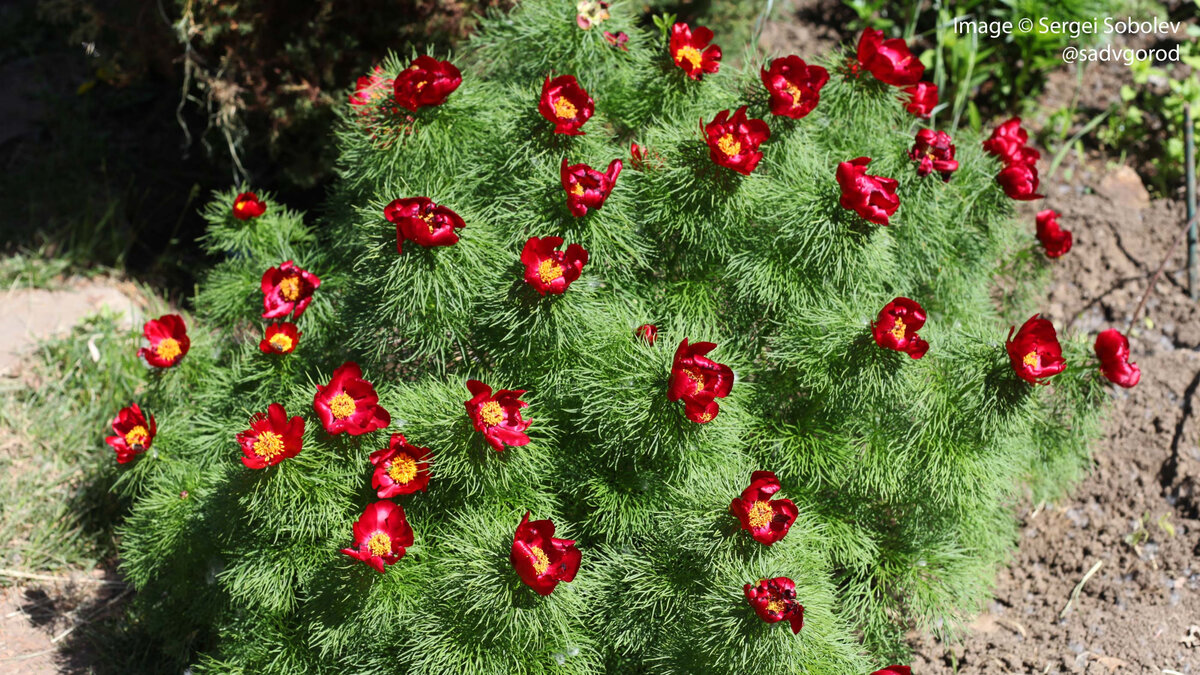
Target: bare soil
{"x": 38, "y": 618}
{"x": 34, "y": 314}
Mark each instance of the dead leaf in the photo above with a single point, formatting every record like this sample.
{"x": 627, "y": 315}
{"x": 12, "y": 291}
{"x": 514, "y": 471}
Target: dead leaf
{"x": 92, "y": 349}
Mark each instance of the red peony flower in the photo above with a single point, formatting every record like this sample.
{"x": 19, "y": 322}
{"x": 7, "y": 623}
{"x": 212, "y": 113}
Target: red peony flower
{"x": 400, "y": 468}
{"x": 1026, "y": 155}
{"x": 889, "y": 60}
{"x": 698, "y": 380}
{"x": 1054, "y": 239}
{"x": 418, "y": 219}
{"x": 1008, "y": 142}
{"x": 271, "y": 438}
{"x": 648, "y": 332}
{"x": 766, "y": 519}
{"x": 794, "y": 86}
{"x": 134, "y": 433}
{"x": 587, "y": 188}
{"x": 733, "y": 141}
{"x": 371, "y": 88}
{"x": 287, "y": 289}
{"x": 774, "y": 600}
{"x": 381, "y": 535}
{"x": 897, "y": 326}
{"x": 691, "y": 51}
{"x": 426, "y": 82}
{"x": 935, "y": 152}
{"x": 565, "y": 104}
{"x": 280, "y": 338}
{"x": 1035, "y": 353}
{"x": 169, "y": 341}
{"x": 498, "y": 416}
{"x": 541, "y": 560}
{"x": 247, "y": 206}
{"x": 617, "y": 40}
{"x": 922, "y": 99}
{"x": 549, "y": 270}
{"x": 871, "y": 197}
{"x": 1019, "y": 181}
{"x": 894, "y": 670}
{"x": 349, "y": 403}
{"x": 1112, "y": 348}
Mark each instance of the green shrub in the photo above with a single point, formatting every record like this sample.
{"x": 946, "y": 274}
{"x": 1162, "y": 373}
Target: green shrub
{"x": 903, "y": 471}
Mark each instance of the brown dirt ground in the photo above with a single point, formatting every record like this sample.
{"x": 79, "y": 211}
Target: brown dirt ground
{"x": 37, "y": 616}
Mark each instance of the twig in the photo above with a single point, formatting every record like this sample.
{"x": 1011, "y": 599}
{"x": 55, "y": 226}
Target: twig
{"x": 22, "y": 657}
{"x": 1014, "y": 625}
{"x": 1193, "y": 236}
{"x": 18, "y": 574}
{"x": 1158, "y": 272}
{"x": 24, "y": 610}
{"x": 1079, "y": 587}
{"x": 93, "y": 616}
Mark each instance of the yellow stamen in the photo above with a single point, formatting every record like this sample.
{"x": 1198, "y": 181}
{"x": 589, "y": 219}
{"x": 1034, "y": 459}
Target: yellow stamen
{"x": 421, "y": 84}
{"x": 280, "y": 342}
{"x": 565, "y": 109}
{"x": 491, "y": 413}
{"x": 379, "y": 544}
{"x": 689, "y": 54}
{"x": 1033, "y": 360}
{"x": 137, "y": 437}
{"x": 729, "y": 145}
{"x": 428, "y": 218}
{"x": 167, "y": 349}
{"x": 402, "y": 469}
{"x": 705, "y": 418}
{"x": 541, "y": 562}
{"x": 268, "y": 445}
{"x": 897, "y": 330}
{"x": 760, "y": 514}
{"x": 549, "y": 270}
{"x": 775, "y": 605}
{"x": 342, "y": 406}
{"x": 289, "y": 288}
{"x": 697, "y": 379}
{"x": 577, "y": 190}
{"x": 795, "y": 92}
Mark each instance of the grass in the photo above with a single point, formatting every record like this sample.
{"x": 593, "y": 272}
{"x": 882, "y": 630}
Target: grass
{"x": 55, "y": 469}
{"x": 31, "y": 270}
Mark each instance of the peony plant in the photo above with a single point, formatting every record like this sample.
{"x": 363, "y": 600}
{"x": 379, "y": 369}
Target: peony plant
{"x": 760, "y": 376}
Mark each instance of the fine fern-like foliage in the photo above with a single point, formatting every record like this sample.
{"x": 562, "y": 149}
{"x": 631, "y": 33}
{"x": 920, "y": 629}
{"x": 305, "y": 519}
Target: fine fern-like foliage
{"x": 903, "y": 471}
